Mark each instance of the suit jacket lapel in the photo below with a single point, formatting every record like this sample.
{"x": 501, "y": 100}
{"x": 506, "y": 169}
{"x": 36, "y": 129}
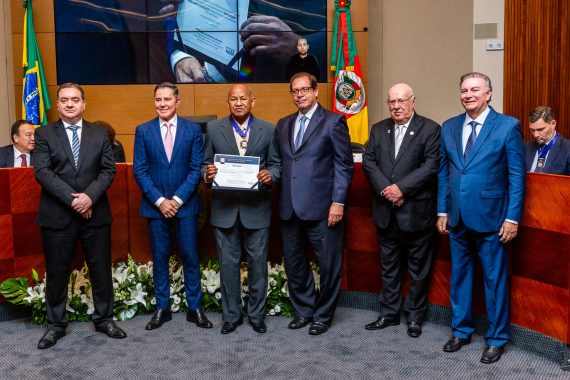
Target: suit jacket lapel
{"x": 458, "y": 134}
{"x": 180, "y": 138}
{"x": 85, "y": 137}
{"x": 10, "y": 157}
{"x": 64, "y": 141}
{"x": 551, "y": 157}
{"x": 291, "y": 132}
{"x": 255, "y": 134}
{"x": 227, "y": 131}
{"x": 157, "y": 136}
{"x": 391, "y": 138}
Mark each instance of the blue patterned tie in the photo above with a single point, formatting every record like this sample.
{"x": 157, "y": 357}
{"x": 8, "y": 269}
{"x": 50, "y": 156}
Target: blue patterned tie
{"x": 301, "y": 132}
{"x": 74, "y": 143}
{"x": 472, "y": 138}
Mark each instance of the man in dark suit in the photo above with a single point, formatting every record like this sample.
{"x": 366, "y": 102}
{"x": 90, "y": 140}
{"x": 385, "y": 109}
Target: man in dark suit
{"x": 242, "y": 218}
{"x": 316, "y": 173}
{"x": 480, "y": 203}
{"x": 548, "y": 152}
{"x": 401, "y": 163}
{"x": 73, "y": 162}
{"x": 19, "y": 153}
{"x": 167, "y": 157}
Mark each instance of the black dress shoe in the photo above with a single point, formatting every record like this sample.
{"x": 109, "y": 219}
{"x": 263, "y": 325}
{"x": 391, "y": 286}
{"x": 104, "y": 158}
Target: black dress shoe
{"x": 258, "y": 327}
{"x": 455, "y": 343}
{"x": 50, "y": 338}
{"x": 318, "y": 328}
{"x": 230, "y": 327}
{"x": 414, "y": 329}
{"x": 158, "y": 318}
{"x": 491, "y": 354}
{"x": 382, "y": 323}
{"x": 299, "y": 323}
{"x": 111, "y": 330}
{"x": 199, "y": 318}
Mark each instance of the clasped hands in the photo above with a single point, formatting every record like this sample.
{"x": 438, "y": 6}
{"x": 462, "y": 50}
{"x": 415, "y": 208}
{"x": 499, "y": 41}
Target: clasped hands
{"x": 169, "y": 208}
{"x": 393, "y": 194}
{"x": 82, "y": 204}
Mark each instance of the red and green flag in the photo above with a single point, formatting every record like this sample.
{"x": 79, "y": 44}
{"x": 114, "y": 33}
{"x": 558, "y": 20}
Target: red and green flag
{"x": 349, "y": 97}
{"x": 35, "y": 97}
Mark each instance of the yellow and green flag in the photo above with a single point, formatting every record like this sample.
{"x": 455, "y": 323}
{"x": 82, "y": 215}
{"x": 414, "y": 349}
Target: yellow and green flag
{"x": 349, "y": 97}
{"x": 35, "y": 97}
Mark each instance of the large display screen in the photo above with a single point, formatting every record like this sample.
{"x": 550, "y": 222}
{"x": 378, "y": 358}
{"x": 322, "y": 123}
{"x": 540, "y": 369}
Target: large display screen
{"x": 187, "y": 41}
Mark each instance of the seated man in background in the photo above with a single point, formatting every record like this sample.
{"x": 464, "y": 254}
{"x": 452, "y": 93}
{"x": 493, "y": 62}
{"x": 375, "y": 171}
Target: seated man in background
{"x": 118, "y": 150}
{"x": 548, "y": 152}
{"x": 19, "y": 153}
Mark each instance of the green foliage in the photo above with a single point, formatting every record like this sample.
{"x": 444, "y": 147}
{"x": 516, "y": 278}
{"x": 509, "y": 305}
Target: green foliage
{"x": 134, "y": 290}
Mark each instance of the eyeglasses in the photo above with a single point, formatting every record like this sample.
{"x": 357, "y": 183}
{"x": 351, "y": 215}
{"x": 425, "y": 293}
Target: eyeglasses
{"x": 302, "y": 91}
{"x": 394, "y": 102}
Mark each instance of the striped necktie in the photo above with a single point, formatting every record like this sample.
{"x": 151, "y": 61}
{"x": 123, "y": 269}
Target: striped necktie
{"x": 472, "y": 138}
{"x": 301, "y": 132}
{"x": 399, "y": 139}
{"x": 74, "y": 143}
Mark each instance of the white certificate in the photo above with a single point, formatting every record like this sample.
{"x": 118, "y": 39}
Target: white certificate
{"x": 211, "y": 27}
{"x": 236, "y": 172}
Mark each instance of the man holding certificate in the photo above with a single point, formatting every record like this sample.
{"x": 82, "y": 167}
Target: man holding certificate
{"x": 317, "y": 169}
{"x": 241, "y": 161}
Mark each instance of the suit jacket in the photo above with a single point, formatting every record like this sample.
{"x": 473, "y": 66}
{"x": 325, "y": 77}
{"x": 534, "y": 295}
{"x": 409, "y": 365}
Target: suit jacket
{"x": 489, "y": 186}
{"x": 558, "y": 159}
{"x": 414, "y": 171}
{"x": 320, "y": 171}
{"x": 157, "y": 177}
{"x": 55, "y": 170}
{"x": 253, "y": 207}
{"x": 7, "y": 156}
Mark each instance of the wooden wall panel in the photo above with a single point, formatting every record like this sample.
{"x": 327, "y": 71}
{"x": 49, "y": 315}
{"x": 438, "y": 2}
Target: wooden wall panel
{"x": 537, "y": 58}
{"x": 125, "y": 106}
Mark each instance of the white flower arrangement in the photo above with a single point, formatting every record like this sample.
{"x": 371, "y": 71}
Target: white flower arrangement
{"x": 134, "y": 291}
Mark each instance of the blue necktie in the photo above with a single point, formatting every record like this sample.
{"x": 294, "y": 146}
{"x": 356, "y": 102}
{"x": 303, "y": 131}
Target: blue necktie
{"x": 472, "y": 138}
{"x": 301, "y": 132}
{"x": 74, "y": 143}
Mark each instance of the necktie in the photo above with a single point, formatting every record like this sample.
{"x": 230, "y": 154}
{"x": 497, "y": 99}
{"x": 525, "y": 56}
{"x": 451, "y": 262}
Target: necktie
{"x": 24, "y": 160}
{"x": 168, "y": 141}
{"x": 301, "y": 132}
{"x": 399, "y": 139}
{"x": 471, "y": 140}
{"x": 74, "y": 143}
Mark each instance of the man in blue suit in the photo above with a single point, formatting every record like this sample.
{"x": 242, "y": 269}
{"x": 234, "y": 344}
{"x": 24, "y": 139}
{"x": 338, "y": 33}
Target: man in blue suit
{"x": 480, "y": 203}
{"x": 548, "y": 152}
{"x": 167, "y": 158}
{"x": 317, "y": 167}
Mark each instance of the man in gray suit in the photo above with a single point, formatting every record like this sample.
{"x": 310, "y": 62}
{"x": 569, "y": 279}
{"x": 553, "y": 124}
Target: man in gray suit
{"x": 242, "y": 218}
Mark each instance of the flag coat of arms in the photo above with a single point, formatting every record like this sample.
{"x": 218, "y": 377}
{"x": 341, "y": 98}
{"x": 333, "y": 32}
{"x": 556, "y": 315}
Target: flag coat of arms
{"x": 35, "y": 97}
{"x": 349, "y": 96}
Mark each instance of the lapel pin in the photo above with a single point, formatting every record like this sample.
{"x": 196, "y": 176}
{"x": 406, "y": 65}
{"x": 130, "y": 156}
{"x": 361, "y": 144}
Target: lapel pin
{"x": 411, "y": 133}
{"x": 388, "y": 131}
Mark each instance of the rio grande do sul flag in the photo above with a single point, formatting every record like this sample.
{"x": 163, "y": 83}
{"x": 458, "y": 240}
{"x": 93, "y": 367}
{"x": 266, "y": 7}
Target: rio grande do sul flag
{"x": 35, "y": 97}
{"x": 349, "y": 97}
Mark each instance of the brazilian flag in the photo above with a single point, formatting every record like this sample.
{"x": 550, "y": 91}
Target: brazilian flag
{"x": 35, "y": 98}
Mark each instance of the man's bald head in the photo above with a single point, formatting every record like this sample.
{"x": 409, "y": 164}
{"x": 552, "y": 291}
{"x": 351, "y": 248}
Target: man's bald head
{"x": 401, "y": 102}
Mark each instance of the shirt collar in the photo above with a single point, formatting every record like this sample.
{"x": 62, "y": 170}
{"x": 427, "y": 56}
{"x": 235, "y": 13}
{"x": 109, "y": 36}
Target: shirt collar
{"x": 17, "y": 153}
{"x": 173, "y": 121}
{"x": 79, "y": 124}
{"x": 480, "y": 119}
